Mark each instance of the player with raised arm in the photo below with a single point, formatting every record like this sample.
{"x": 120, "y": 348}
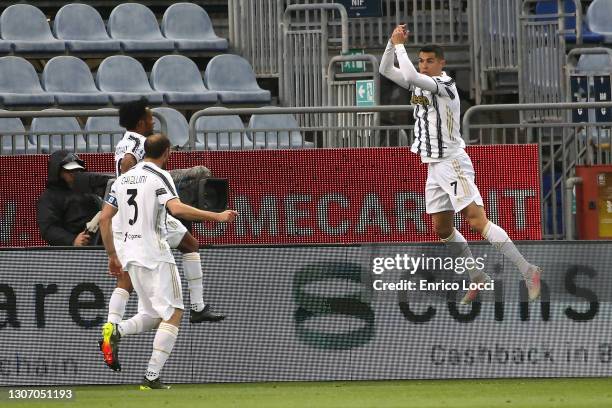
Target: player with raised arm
{"x": 138, "y": 120}
{"x": 140, "y": 199}
{"x": 450, "y": 186}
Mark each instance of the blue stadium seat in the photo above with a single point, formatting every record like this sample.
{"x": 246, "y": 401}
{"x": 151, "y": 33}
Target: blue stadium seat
{"x": 19, "y": 84}
{"x": 180, "y": 80}
{"x": 178, "y": 128}
{"x": 103, "y": 133}
{"x": 124, "y": 80}
{"x": 550, "y": 7}
{"x": 137, "y": 29}
{"x": 51, "y": 134}
{"x": 14, "y": 143}
{"x": 269, "y": 138}
{"x": 210, "y": 132}
{"x": 599, "y": 16}
{"x": 28, "y": 31}
{"x": 69, "y": 80}
{"x": 232, "y": 77}
{"x": 83, "y": 30}
{"x": 190, "y": 27}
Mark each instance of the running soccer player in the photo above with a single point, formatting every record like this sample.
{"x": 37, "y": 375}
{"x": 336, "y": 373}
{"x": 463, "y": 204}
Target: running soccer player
{"x": 450, "y": 186}
{"x": 138, "y": 120}
{"x": 140, "y": 199}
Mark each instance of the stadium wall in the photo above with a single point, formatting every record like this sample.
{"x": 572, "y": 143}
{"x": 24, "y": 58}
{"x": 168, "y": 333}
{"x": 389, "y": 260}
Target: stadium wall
{"x": 312, "y": 313}
{"x": 312, "y": 196}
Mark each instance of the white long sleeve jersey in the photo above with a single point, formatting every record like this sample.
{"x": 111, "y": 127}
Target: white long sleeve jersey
{"x": 437, "y": 107}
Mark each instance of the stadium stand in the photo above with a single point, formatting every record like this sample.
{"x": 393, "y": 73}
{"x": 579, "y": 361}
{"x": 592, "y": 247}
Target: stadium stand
{"x": 14, "y": 139}
{"x": 178, "y": 128}
{"x": 550, "y": 7}
{"x": 103, "y": 133}
{"x": 50, "y": 134}
{"x": 137, "y": 29}
{"x": 190, "y": 27}
{"x": 269, "y": 138}
{"x": 232, "y": 77}
{"x": 124, "y": 79}
{"x": 210, "y": 135}
{"x": 81, "y": 27}
{"x": 180, "y": 81}
{"x": 26, "y": 29}
{"x": 19, "y": 84}
{"x": 71, "y": 83}
{"x": 599, "y": 16}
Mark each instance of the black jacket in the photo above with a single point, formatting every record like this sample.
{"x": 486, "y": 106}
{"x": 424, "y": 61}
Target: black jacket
{"x": 60, "y": 212}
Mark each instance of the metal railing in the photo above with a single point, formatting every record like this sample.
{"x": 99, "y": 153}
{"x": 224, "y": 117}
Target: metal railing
{"x": 562, "y": 146}
{"x": 77, "y": 141}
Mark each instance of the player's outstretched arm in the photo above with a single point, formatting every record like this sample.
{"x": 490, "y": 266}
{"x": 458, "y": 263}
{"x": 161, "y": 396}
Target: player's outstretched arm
{"x": 189, "y": 213}
{"x": 387, "y": 68}
{"x": 407, "y": 70}
{"x": 106, "y": 232}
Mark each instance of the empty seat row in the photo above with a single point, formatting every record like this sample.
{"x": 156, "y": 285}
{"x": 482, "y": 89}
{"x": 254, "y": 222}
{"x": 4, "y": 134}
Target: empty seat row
{"x": 596, "y": 27}
{"x": 102, "y": 133}
{"x": 175, "y": 80}
{"x": 132, "y": 28}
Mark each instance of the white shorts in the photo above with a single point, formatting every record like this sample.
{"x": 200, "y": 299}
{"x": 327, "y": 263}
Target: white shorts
{"x": 118, "y": 241}
{"x": 450, "y": 185}
{"x": 159, "y": 290}
{"x": 176, "y": 231}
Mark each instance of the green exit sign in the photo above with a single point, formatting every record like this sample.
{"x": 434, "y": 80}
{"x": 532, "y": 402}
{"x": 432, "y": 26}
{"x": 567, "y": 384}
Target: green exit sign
{"x": 353, "y": 67}
{"x": 364, "y": 92}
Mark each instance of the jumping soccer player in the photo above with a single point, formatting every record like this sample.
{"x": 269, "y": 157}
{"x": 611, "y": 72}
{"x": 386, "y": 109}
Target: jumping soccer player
{"x": 450, "y": 186}
{"x": 140, "y": 198}
{"x": 138, "y": 120}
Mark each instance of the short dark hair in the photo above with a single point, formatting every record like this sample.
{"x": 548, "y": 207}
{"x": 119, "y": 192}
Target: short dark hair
{"x": 132, "y": 112}
{"x": 436, "y": 49}
{"x": 155, "y": 145}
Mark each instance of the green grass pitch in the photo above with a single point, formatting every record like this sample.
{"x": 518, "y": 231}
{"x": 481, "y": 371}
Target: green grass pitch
{"x": 531, "y": 393}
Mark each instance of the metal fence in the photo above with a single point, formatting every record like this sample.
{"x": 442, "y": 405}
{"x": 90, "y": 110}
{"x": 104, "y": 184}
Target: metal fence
{"x": 562, "y": 146}
{"x": 542, "y": 56}
{"x": 14, "y": 142}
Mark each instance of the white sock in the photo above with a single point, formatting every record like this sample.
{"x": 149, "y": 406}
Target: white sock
{"x": 502, "y": 242}
{"x": 162, "y": 347}
{"x": 116, "y": 305}
{"x": 139, "y": 323}
{"x": 458, "y": 247}
{"x": 193, "y": 274}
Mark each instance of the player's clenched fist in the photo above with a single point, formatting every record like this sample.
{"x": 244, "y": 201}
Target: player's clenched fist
{"x": 228, "y": 216}
{"x": 400, "y": 35}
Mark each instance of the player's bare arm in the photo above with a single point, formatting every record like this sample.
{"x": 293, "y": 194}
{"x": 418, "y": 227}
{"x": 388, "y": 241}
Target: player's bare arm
{"x": 189, "y": 213}
{"x": 128, "y": 162}
{"x": 108, "y": 212}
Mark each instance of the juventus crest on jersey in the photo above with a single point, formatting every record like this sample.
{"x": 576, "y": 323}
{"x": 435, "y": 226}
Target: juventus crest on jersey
{"x": 437, "y": 133}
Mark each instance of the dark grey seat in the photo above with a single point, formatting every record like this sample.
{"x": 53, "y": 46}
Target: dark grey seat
{"x": 19, "y": 84}
{"x": 178, "y": 128}
{"x": 82, "y": 29}
{"x": 232, "y": 77}
{"x": 190, "y": 27}
{"x": 71, "y": 83}
{"x": 28, "y": 31}
{"x": 135, "y": 26}
{"x": 124, "y": 80}
{"x": 270, "y": 138}
{"x": 180, "y": 80}
{"x": 103, "y": 133}
{"x": 13, "y": 143}
{"x": 212, "y": 132}
{"x": 51, "y": 134}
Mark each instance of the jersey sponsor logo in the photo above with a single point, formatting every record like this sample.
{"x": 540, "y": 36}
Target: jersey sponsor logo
{"x": 131, "y": 236}
{"x": 419, "y": 100}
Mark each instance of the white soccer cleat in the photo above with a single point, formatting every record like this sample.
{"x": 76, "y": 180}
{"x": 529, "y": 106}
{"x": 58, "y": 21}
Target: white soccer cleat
{"x": 533, "y": 282}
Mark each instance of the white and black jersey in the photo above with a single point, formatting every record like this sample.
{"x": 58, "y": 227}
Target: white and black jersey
{"x": 140, "y": 195}
{"x": 132, "y": 143}
{"x": 436, "y": 107}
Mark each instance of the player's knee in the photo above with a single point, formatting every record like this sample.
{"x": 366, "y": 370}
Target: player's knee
{"x": 189, "y": 244}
